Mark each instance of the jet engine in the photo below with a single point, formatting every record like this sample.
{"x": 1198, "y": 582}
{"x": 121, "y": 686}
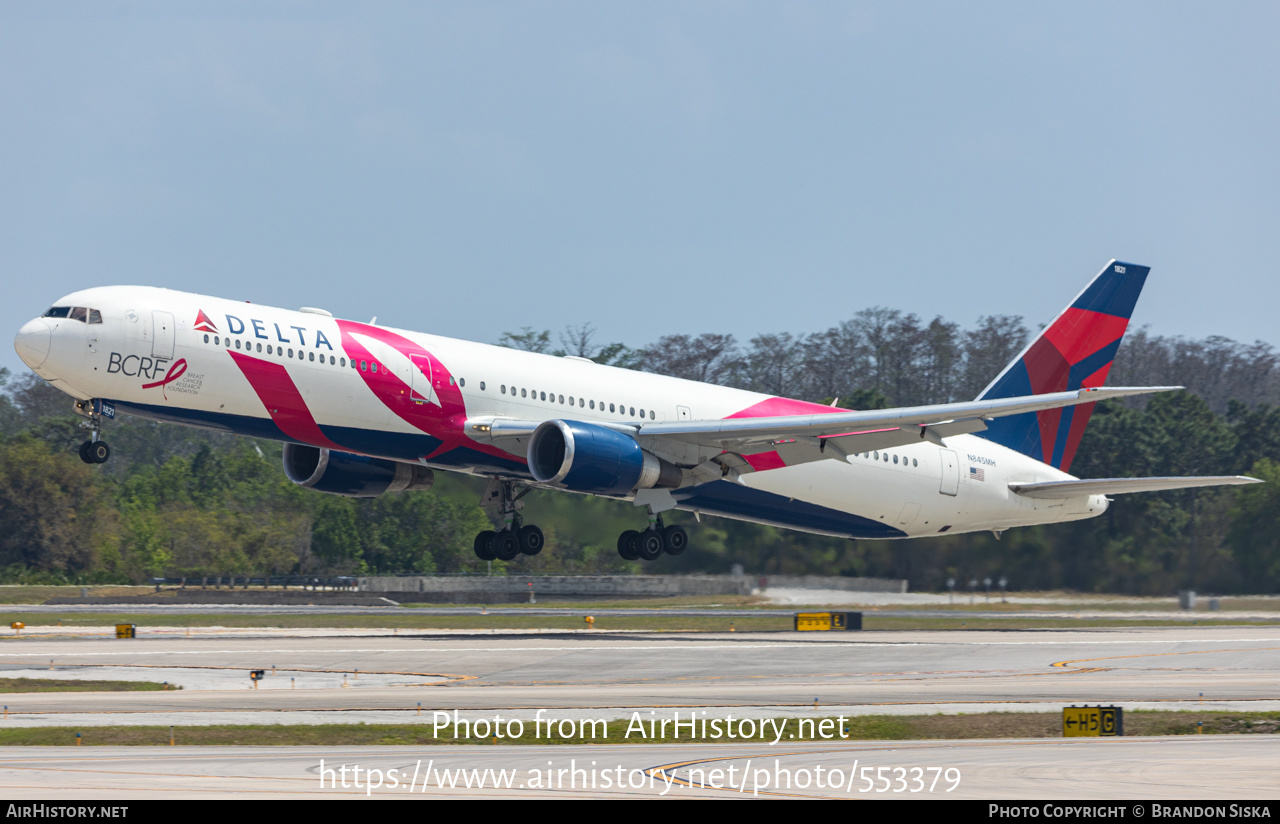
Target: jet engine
{"x": 587, "y": 457}
{"x": 341, "y": 473}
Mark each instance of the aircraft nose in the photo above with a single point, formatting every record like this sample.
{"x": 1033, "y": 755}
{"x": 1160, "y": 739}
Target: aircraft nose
{"x": 32, "y": 342}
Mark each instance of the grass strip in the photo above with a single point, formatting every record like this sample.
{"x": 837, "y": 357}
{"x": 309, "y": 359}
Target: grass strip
{"x": 859, "y": 728}
{"x": 64, "y": 685}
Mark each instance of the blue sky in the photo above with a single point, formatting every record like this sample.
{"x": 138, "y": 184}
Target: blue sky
{"x": 655, "y": 168}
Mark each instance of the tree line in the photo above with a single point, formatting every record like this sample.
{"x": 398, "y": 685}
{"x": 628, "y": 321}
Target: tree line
{"x": 179, "y": 501}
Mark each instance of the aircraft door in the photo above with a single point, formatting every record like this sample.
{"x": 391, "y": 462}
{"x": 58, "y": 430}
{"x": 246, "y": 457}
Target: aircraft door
{"x": 162, "y": 339}
{"x": 950, "y": 472}
{"x": 420, "y": 380}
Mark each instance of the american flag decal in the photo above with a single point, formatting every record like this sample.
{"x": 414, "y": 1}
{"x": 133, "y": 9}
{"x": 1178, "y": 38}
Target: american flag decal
{"x": 976, "y": 474}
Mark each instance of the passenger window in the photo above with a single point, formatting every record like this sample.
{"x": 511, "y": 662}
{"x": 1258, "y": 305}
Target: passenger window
{"x": 642, "y": 413}
{"x": 522, "y": 393}
{"x": 462, "y": 381}
{"x": 571, "y": 400}
{"x": 373, "y": 367}
{"x": 451, "y": 380}
{"x": 544, "y": 396}
{"x": 610, "y": 407}
{"x": 311, "y": 356}
{"x": 593, "y": 404}
{"x": 481, "y": 386}
{"x": 876, "y": 456}
{"x": 206, "y": 338}
{"x": 364, "y": 366}
{"x": 651, "y": 415}
{"x": 562, "y": 399}
{"x": 237, "y": 343}
{"x": 895, "y": 458}
{"x": 216, "y": 341}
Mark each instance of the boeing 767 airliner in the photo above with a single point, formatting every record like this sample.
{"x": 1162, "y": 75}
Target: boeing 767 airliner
{"x": 363, "y": 410}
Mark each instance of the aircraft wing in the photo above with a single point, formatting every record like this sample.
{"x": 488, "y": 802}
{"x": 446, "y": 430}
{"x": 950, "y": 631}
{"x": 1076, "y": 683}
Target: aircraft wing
{"x": 1117, "y": 486}
{"x": 803, "y": 438}
{"x": 851, "y": 432}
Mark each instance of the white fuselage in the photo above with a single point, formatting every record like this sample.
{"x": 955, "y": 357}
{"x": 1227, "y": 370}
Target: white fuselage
{"x": 309, "y": 378}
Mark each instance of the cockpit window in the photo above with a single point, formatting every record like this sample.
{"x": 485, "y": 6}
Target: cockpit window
{"x": 80, "y": 313}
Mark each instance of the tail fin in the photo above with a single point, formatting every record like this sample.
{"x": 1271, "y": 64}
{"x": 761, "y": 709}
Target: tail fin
{"x": 1074, "y": 351}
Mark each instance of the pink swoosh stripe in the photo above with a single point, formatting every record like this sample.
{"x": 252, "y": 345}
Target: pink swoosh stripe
{"x": 282, "y": 400}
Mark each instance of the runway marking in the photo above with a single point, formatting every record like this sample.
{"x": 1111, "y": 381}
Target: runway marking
{"x": 1152, "y": 655}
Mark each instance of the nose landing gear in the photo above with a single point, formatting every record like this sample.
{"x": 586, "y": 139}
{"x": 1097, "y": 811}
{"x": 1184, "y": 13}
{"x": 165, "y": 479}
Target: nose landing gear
{"x": 517, "y": 537}
{"x": 92, "y": 451}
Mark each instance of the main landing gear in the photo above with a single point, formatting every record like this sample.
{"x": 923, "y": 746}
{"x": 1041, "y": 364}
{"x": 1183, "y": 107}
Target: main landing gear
{"x": 516, "y": 538}
{"x": 92, "y": 451}
{"x": 651, "y": 543}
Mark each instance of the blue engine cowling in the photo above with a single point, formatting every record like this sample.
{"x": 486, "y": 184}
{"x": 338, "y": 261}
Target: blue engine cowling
{"x": 587, "y": 457}
{"x": 341, "y": 473}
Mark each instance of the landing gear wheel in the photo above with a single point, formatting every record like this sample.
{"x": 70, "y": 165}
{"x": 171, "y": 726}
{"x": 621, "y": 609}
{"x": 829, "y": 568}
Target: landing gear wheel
{"x": 627, "y": 545}
{"x": 531, "y": 540}
{"x": 484, "y": 545}
{"x": 84, "y": 452}
{"x": 649, "y": 545}
{"x": 676, "y": 539}
{"x": 506, "y": 545}
{"x": 96, "y": 451}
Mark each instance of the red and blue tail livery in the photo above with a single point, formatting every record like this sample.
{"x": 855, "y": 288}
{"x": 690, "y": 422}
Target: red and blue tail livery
{"x": 1075, "y": 351}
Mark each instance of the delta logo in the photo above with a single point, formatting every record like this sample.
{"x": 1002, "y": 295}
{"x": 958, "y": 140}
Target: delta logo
{"x": 203, "y": 324}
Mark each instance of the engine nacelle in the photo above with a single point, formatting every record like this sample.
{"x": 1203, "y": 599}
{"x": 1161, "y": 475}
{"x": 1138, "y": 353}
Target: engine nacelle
{"x": 587, "y": 457}
{"x": 341, "y": 473}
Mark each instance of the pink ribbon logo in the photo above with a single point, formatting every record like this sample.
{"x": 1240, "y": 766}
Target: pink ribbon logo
{"x": 175, "y": 372}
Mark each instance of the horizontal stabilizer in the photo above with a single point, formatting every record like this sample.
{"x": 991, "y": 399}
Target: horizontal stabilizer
{"x": 1119, "y": 486}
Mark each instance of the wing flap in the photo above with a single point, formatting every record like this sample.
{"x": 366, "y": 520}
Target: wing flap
{"x": 1120, "y": 486}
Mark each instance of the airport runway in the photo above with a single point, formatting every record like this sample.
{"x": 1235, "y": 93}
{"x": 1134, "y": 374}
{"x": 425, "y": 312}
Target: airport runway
{"x": 612, "y": 675}
{"x": 1220, "y": 768}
